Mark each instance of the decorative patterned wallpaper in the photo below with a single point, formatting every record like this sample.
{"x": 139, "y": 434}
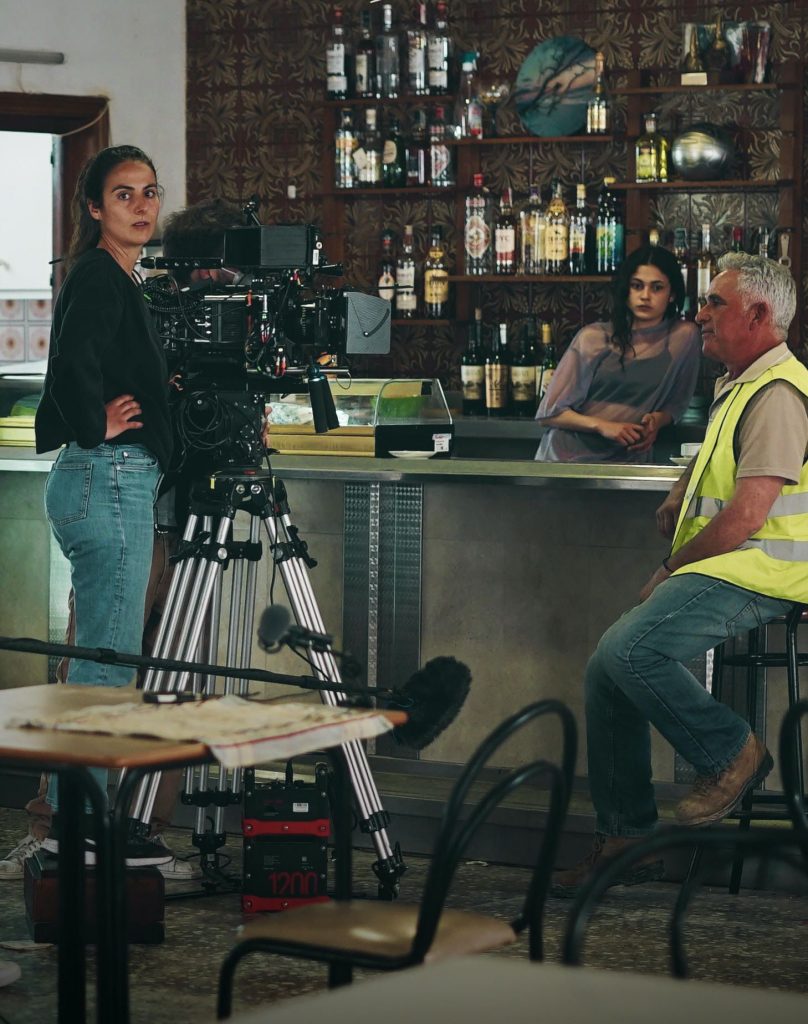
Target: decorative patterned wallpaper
{"x": 256, "y": 72}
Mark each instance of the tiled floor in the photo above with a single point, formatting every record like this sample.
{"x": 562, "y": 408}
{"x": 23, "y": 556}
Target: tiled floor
{"x": 755, "y": 939}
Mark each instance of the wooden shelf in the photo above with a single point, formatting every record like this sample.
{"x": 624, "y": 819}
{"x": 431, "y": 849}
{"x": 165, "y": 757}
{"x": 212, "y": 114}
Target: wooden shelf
{"x": 515, "y": 140}
{"x": 716, "y": 185}
{"x": 420, "y": 322}
{"x": 375, "y": 101}
{"x": 412, "y": 190}
{"x": 656, "y": 90}
{"x": 531, "y": 278}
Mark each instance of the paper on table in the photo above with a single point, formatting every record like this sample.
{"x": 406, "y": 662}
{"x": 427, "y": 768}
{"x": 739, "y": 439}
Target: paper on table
{"x": 239, "y": 732}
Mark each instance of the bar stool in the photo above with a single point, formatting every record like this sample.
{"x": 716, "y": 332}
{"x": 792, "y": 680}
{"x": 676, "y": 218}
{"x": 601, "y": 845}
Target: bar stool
{"x": 763, "y": 805}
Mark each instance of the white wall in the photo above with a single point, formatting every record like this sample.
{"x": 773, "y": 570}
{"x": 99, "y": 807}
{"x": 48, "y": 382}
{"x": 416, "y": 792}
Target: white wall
{"x": 132, "y": 53}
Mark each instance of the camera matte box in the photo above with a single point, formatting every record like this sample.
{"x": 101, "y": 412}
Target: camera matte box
{"x": 272, "y": 247}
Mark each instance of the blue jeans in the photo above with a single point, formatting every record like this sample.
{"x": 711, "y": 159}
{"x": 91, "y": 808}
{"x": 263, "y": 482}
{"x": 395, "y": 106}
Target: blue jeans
{"x": 99, "y": 502}
{"x": 635, "y": 677}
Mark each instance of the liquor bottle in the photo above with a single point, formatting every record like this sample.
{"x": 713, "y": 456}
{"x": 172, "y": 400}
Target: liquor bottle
{"x": 652, "y": 151}
{"x": 365, "y": 67}
{"x": 345, "y": 142}
{"x": 417, "y": 151}
{"x": 441, "y": 172}
{"x": 549, "y": 361}
{"x": 387, "y": 269}
{"x": 436, "y": 278}
{"x": 336, "y": 59}
{"x": 387, "y": 57}
{"x": 705, "y": 266}
{"x": 523, "y": 376}
{"x": 368, "y": 155}
{"x": 717, "y": 57}
{"x": 578, "y": 225}
{"x": 764, "y": 239}
{"x": 472, "y": 369}
{"x": 417, "y": 67}
{"x": 406, "y": 296}
{"x": 598, "y": 110}
{"x": 497, "y": 376}
{"x": 680, "y": 251}
{"x": 505, "y": 236}
{"x": 394, "y": 157}
{"x": 533, "y": 223}
{"x": 477, "y": 229}
{"x": 557, "y": 233}
{"x": 439, "y": 51}
{"x": 737, "y": 239}
{"x": 468, "y": 113}
{"x": 608, "y": 231}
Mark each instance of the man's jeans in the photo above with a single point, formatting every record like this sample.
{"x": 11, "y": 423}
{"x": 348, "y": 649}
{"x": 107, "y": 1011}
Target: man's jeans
{"x": 99, "y": 502}
{"x": 636, "y": 677}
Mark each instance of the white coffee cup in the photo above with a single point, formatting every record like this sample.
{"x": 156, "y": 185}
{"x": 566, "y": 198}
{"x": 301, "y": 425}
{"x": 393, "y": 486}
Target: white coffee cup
{"x": 690, "y": 449}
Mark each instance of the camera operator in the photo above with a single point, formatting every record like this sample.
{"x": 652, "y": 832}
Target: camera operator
{"x": 195, "y": 231}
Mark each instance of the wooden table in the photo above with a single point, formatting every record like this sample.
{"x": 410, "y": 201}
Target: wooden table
{"x": 69, "y": 754}
{"x": 485, "y": 989}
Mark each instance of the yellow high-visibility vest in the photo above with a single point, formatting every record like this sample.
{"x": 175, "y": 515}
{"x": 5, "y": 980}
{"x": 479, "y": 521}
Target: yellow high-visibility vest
{"x": 774, "y": 561}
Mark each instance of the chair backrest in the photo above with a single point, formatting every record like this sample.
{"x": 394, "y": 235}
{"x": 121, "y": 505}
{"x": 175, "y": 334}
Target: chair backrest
{"x": 790, "y": 750}
{"x": 766, "y": 843}
{"x": 455, "y": 834}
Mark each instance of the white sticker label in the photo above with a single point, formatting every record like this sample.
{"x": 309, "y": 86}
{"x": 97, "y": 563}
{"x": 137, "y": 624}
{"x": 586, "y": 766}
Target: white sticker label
{"x": 300, "y": 808}
{"x": 440, "y": 442}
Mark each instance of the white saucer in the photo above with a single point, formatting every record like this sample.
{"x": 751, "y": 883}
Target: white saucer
{"x": 681, "y": 460}
{"x": 412, "y": 455}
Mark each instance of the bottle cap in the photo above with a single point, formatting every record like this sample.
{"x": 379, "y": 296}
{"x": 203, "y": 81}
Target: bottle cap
{"x": 478, "y": 180}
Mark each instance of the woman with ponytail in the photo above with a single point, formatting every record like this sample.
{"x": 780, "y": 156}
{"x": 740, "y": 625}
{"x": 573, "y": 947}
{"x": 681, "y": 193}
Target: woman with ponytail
{"x": 105, "y": 406}
{"x": 619, "y": 383}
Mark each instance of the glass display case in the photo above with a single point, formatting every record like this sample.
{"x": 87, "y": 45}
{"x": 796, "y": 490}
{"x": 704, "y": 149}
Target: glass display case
{"x": 20, "y": 391}
{"x": 406, "y": 418}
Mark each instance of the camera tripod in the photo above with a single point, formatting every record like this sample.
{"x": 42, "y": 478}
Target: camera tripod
{"x": 194, "y": 601}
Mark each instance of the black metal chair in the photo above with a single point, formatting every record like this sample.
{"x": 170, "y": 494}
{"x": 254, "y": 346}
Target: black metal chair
{"x": 390, "y": 936}
{"x": 766, "y": 843}
{"x": 762, "y": 806}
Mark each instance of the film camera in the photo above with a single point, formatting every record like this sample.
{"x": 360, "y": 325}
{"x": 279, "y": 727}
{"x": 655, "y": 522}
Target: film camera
{"x": 270, "y": 332}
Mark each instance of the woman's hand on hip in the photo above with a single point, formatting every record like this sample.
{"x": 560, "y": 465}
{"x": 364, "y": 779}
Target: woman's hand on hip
{"x": 121, "y": 413}
{"x": 621, "y": 433}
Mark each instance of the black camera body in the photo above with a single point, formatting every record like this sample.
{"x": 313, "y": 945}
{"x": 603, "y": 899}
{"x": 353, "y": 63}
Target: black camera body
{"x": 264, "y": 334}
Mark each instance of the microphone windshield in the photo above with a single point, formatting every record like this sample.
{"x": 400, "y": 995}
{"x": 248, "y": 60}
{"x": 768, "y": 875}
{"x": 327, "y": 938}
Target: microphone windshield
{"x": 432, "y": 698}
{"x": 274, "y": 625}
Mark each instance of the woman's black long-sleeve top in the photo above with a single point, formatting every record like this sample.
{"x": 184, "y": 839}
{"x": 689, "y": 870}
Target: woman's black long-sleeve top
{"x": 103, "y": 344}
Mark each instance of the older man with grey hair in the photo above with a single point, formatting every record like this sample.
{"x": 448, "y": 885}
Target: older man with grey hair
{"x": 738, "y": 524}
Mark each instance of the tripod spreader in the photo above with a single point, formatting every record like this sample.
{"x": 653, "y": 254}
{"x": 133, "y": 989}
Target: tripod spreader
{"x": 388, "y": 871}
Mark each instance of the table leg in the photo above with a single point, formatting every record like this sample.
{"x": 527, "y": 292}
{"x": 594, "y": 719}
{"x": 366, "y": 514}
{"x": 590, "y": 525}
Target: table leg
{"x": 341, "y": 814}
{"x": 72, "y": 926}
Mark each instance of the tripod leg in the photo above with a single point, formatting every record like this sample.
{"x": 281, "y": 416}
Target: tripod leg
{"x": 374, "y": 818}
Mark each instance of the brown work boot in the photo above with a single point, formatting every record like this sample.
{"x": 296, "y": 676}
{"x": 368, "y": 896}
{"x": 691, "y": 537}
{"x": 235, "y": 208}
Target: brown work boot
{"x": 567, "y": 884}
{"x": 713, "y": 797}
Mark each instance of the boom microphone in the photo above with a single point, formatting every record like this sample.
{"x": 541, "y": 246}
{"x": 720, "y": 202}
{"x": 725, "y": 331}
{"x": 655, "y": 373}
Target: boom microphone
{"x": 276, "y": 627}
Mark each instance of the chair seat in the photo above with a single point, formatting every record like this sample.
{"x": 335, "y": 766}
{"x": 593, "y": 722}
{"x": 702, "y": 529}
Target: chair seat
{"x": 383, "y": 930}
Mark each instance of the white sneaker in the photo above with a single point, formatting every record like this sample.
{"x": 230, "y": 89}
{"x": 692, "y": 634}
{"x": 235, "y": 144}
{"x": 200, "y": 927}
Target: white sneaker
{"x": 175, "y": 870}
{"x": 12, "y": 867}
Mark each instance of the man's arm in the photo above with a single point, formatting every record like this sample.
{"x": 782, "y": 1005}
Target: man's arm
{"x": 740, "y": 519}
{"x": 667, "y": 514}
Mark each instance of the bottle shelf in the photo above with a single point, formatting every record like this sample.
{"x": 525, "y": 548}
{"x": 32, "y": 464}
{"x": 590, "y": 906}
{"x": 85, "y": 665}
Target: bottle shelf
{"x": 411, "y": 190}
{"x": 404, "y": 99}
{"x": 420, "y": 322}
{"x": 531, "y": 278}
{"x": 658, "y": 90}
{"x": 517, "y": 140}
{"x": 715, "y": 185}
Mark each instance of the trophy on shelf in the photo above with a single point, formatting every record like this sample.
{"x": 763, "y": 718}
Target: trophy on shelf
{"x": 693, "y": 70}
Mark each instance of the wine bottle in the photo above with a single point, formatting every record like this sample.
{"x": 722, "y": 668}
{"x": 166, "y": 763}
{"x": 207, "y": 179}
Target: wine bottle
{"x": 441, "y": 172}
{"x": 387, "y": 269}
{"x": 598, "y": 110}
{"x": 387, "y": 56}
{"x": 394, "y": 157}
{"x": 578, "y": 226}
{"x": 365, "y": 73}
{"x": 439, "y": 51}
{"x": 549, "y": 361}
{"x": 336, "y": 59}
{"x": 417, "y": 151}
{"x": 368, "y": 155}
{"x": 557, "y": 233}
{"x": 417, "y": 65}
{"x": 533, "y": 226}
{"x": 345, "y": 142}
{"x": 523, "y": 376}
{"x": 472, "y": 369}
{"x": 497, "y": 375}
{"x": 705, "y": 266}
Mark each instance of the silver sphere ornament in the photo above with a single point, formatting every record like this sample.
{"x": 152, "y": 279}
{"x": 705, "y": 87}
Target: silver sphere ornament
{"x": 703, "y": 152}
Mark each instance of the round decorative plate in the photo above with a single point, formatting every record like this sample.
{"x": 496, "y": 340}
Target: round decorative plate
{"x": 554, "y": 86}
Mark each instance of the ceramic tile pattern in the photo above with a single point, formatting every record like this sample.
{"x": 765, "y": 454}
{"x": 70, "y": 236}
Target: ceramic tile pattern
{"x": 754, "y": 939}
{"x": 24, "y": 329}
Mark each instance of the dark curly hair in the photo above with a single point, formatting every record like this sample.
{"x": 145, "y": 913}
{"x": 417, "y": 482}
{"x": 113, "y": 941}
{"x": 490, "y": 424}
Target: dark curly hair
{"x": 90, "y": 189}
{"x": 622, "y": 317}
